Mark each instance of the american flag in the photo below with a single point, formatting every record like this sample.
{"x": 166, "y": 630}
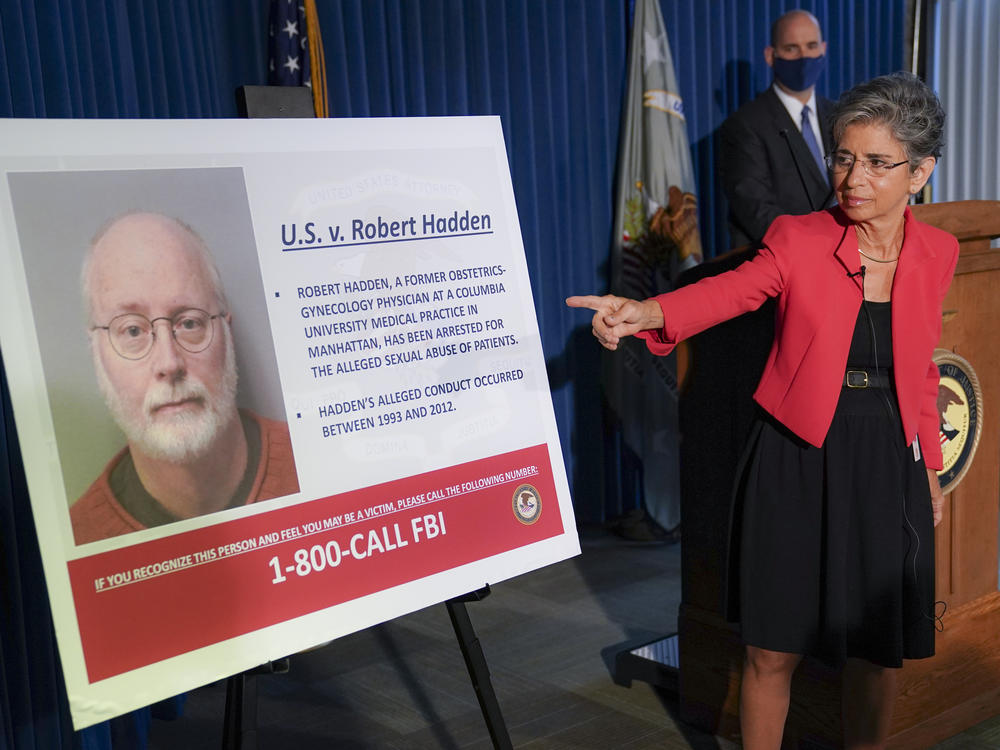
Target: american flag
{"x": 289, "y": 45}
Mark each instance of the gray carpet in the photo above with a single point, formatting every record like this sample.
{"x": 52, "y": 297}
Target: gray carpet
{"x": 550, "y": 638}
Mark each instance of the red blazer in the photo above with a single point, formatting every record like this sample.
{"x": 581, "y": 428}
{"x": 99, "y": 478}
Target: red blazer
{"x": 805, "y": 262}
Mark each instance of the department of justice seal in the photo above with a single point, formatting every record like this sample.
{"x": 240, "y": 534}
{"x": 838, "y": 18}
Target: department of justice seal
{"x": 960, "y": 413}
{"x": 527, "y": 504}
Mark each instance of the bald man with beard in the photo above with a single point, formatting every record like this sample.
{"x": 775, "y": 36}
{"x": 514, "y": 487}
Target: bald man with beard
{"x": 162, "y": 346}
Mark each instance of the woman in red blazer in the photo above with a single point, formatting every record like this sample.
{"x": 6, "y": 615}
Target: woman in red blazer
{"x": 840, "y": 491}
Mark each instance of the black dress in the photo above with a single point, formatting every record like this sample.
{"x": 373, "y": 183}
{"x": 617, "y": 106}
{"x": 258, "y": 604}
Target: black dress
{"x": 836, "y": 544}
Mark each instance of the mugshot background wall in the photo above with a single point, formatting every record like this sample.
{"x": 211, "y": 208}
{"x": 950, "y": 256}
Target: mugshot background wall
{"x": 57, "y": 214}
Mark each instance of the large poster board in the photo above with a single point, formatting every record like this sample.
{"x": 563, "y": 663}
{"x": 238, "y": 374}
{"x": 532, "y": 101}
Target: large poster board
{"x": 274, "y": 382}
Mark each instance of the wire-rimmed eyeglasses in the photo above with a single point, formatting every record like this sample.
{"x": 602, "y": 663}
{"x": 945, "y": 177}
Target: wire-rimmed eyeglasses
{"x": 843, "y": 161}
{"x": 132, "y": 335}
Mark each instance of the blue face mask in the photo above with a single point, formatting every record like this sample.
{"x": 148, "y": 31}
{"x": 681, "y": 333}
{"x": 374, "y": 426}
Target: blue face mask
{"x": 800, "y": 74}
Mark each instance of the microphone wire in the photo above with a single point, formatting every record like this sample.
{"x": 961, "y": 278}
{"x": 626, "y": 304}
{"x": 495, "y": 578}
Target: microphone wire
{"x": 802, "y": 178}
{"x": 933, "y": 617}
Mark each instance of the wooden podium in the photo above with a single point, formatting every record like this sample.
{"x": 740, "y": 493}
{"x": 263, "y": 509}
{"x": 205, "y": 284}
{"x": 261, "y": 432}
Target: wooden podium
{"x": 938, "y": 697}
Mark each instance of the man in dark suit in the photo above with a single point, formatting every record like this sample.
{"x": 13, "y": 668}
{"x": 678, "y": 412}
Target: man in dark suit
{"x": 773, "y": 147}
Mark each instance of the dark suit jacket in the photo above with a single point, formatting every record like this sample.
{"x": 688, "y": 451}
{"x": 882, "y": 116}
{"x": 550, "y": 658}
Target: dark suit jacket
{"x": 805, "y": 262}
{"x": 759, "y": 173}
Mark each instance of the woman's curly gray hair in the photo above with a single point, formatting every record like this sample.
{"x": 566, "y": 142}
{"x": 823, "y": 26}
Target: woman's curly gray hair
{"x": 901, "y": 101}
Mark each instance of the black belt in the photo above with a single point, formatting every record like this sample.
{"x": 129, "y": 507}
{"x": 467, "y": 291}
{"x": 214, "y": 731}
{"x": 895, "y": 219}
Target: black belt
{"x": 860, "y": 378}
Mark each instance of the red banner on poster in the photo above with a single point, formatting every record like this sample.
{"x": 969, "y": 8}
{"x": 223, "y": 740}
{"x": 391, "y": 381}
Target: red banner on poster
{"x": 151, "y": 601}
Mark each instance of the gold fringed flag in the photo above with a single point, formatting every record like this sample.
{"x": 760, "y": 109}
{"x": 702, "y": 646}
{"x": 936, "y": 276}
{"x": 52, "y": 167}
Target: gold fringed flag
{"x": 296, "y": 50}
{"x": 656, "y": 236}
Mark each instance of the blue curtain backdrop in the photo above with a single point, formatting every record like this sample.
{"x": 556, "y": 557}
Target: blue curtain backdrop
{"x": 552, "y": 70}
{"x": 129, "y": 58}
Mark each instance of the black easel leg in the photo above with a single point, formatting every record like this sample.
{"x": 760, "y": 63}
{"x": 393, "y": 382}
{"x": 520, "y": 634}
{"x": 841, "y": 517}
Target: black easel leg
{"x": 240, "y": 723}
{"x": 479, "y": 671}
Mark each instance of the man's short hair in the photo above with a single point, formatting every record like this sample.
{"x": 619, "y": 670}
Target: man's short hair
{"x": 780, "y": 20}
{"x": 197, "y": 243}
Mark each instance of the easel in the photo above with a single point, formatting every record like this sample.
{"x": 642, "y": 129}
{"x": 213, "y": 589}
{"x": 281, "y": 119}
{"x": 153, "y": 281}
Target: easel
{"x": 240, "y": 721}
